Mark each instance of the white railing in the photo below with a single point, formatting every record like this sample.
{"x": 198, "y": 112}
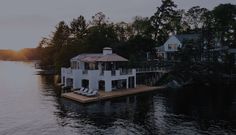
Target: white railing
{"x": 151, "y": 69}
{"x": 102, "y": 72}
{"x": 113, "y": 72}
{"x": 69, "y": 71}
{"x": 118, "y": 72}
{"x": 66, "y": 70}
{"x": 125, "y": 71}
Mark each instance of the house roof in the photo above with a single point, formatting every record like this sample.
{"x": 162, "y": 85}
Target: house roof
{"x": 160, "y": 48}
{"x": 111, "y": 57}
{"x": 83, "y": 56}
{"x": 187, "y": 37}
{"x": 184, "y": 37}
{"x": 99, "y": 58}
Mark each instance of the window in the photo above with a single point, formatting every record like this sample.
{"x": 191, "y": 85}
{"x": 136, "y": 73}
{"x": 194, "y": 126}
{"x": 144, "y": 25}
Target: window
{"x": 77, "y": 65}
{"x": 73, "y": 64}
{"x": 172, "y": 46}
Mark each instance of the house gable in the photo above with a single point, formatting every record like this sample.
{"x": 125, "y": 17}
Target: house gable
{"x": 172, "y": 44}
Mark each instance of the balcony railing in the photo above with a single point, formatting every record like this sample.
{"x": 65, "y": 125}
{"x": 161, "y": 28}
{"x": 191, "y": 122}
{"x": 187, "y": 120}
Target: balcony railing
{"x": 102, "y": 72}
{"x": 152, "y": 69}
{"x": 125, "y": 71}
{"x": 117, "y": 72}
{"x": 113, "y": 72}
{"x": 67, "y": 70}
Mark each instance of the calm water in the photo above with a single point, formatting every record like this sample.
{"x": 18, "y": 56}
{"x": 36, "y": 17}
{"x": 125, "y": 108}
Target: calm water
{"x": 30, "y": 105}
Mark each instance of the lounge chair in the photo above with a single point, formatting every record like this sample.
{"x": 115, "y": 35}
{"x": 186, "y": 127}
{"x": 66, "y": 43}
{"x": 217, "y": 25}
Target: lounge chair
{"x": 79, "y": 91}
{"x": 84, "y": 91}
{"x": 89, "y": 91}
{"x": 92, "y": 93}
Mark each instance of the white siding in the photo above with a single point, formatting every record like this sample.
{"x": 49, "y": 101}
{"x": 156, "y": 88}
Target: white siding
{"x": 172, "y": 44}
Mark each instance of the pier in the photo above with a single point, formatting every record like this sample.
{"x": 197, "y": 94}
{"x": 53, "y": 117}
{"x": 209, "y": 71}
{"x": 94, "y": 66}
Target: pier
{"x": 102, "y": 95}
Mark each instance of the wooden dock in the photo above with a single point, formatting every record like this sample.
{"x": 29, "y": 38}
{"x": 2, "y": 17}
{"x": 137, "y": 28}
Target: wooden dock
{"x": 102, "y": 95}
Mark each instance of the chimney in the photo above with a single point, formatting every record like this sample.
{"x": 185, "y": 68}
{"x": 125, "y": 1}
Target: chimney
{"x": 107, "y": 51}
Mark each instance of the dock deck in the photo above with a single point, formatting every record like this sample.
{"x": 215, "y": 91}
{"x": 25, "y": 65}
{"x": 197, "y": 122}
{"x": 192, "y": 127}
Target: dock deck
{"x": 102, "y": 95}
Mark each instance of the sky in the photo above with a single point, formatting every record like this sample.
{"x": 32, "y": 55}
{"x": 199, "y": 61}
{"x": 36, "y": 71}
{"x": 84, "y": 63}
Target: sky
{"x": 23, "y": 23}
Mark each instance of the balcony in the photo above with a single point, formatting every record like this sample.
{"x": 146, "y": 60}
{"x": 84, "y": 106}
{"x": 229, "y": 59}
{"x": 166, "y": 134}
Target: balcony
{"x": 66, "y": 71}
{"x": 117, "y": 72}
{"x": 102, "y": 72}
{"x": 113, "y": 72}
{"x": 125, "y": 71}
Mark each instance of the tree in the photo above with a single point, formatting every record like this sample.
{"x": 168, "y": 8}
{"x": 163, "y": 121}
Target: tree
{"x": 100, "y": 37}
{"x": 225, "y": 23}
{"x": 161, "y": 20}
{"x": 142, "y": 26}
{"x": 100, "y": 34}
{"x": 195, "y": 17}
{"x": 124, "y": 31}
{"x": 45, "y": 42}
{"x": 208, "y": 31}
{"x": 177, "y": 24}
{"x": 45, "y": 49}
{"x": 50, "y": 48}
{"x": 99, "y": 19}
{"x": 78, "y": 27}
{"x": 61, "y": 35}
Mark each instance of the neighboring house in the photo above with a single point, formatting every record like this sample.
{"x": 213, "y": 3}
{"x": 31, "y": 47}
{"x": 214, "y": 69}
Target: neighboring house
{"x": 172, "y": 45}
{"x": 102, "y": 71}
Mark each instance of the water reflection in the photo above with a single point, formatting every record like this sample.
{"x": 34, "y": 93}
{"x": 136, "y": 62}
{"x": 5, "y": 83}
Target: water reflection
{"x": 30, "y": 104}
{"x": 120, "y": 115}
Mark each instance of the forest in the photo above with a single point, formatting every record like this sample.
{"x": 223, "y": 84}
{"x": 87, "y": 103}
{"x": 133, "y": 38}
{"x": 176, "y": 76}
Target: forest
{"x": 133, "y": 40}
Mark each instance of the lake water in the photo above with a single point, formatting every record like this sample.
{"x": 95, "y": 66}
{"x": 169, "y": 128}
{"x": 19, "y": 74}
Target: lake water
{"x": 30, "y": 105}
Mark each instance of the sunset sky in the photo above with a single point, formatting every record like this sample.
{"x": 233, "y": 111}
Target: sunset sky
{"x": 24, "y": 22}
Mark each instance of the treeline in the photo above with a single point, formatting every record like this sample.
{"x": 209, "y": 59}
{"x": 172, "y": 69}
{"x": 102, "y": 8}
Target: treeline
{"x": 133, "y": 40}
{"x": 22, "y": 55}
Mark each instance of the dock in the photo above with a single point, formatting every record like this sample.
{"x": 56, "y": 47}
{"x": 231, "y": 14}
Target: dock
{"x": 102, "y": 95}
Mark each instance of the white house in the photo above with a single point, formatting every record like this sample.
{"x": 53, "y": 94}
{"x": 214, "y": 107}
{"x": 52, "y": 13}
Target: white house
{"x": 172, "y": 45}
{"x": 102, "y": 71}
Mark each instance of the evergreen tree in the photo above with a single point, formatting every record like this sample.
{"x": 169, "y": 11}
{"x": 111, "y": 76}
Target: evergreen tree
{"x": 78, "y": 27}
{"x": 161, "y": 21}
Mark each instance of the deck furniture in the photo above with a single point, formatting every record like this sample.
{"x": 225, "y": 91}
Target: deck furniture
{"x": 84, "y": 91}
{"x": 93, "y": 93}
{"x": 79, "y": 91}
